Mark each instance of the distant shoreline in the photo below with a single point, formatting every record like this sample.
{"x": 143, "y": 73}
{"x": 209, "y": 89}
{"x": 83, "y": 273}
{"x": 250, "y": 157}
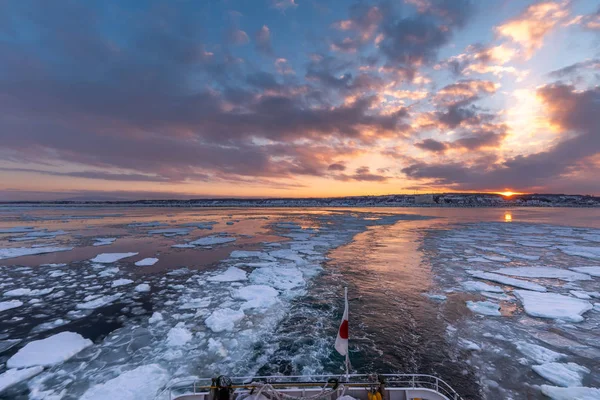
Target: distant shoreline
{"x": 446, "y": 200}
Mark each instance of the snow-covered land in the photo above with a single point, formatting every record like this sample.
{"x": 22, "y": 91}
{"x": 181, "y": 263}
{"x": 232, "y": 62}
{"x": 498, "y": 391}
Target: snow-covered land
{"x": 395, "y": 200}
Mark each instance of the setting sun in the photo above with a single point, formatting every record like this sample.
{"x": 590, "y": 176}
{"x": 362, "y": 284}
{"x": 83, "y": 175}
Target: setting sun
{"x": 507, "y": 193}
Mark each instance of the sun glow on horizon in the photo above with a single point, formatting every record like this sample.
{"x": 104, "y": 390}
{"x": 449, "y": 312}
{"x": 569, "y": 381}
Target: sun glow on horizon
{"x": 508, "y": 193}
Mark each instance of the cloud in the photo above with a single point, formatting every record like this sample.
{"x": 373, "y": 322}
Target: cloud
{"x": 454, "y": 106}
{"x": 488, "y": 137}
{"x": 263, "y": 40}
{"x": 480, "y": 59}
{"x": 432, "y": 145}
{"x": 283, "y": 67}
{"x": 169, "y": 100}
{"x": 238, "y": 37}
{"x": 590, "y": 21}
{"x": 102, "y": 175}
{"x": 97, "y": 195}
{"x": 576, "y": 68}
{"x": 337, "y": 167}
{"x": 364, "y": 22}
{"x": 464, "y": 92}
{"x": 574, "y": 112}
{"x": 362, "y": 174}
{"x": 414, "y": 41}
{"x": 531, "y": 26}
{"x": 283, "y": 5}
{"x": 158, "y": 105}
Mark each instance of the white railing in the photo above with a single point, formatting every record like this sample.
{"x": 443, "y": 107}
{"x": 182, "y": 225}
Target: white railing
{"x": 408, "y": 381}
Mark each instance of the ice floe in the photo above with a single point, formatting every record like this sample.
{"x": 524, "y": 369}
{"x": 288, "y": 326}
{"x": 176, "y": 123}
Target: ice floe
{"x": 17, "y": 229}
{"x": 565, "y": 375}
{"x": 544, "y": 272}
{"x": 7, "y": 305}
{"x": 8, "y": 344}
{"x": 473, "y": 286}
{"x": 288, "y": 254}
{"x": 553, "y": 305}
{"x": 519, "y": 283}
{"x": 251, "y": 254}
{"x": 46, "y": 326}
{"x": 151, "y": 224}
{"x": 49, "y": 351}
{"x": 121, "y": 282}
{"x": 27, "y": 292}
{"x": 256, "y": 296}
{"x": 572, "y": 393}
{"x": 155, "y": 318}
{"x": 212, "y": 240}
{"x": 170, "y": 231}
{"x": 436, "y": 297}
{"x": 484, "y": 307}
{"x": 223, "y": 319}
{"x": 15, "y": 376}
{"x": 140, "y": 383}
{"x": 538, "y": 354}
{"x": 582, "y": 251}
{"x": 584, "y": 295}
{"x": 106, "y": 258}
{"x": 179, "y": 335}
{"x": 99, "y": 302}
{"x": 142, "y": 288}
{"x": 531, "y": 243}
{"x": 146, "y": 262}
{"x": 592, "y": 270}
{"x": 183, "y": 246}
{"x": 282, "y": 278}
{"x": 29, "y": 251}
{"x": 497, "y": 258}
{"x": 202, "y": 225}
{"x": 104, "y": 241}
{"x": 231, "y": 274}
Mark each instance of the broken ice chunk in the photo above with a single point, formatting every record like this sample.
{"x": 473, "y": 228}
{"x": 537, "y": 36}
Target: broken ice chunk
{"x": 553, "y": 305}
{"x": 14, "y": 376}
{"x": 50, "y": 351}
{"x": 484, "y": 308}
{"x": 111, "y": 257}
{"x": 566, "y": 375}
{"x": 223, "y": 319}
{"x": 146, "y": 262}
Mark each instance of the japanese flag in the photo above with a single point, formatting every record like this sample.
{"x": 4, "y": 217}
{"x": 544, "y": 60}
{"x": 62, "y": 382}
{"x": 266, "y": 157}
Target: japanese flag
{"x": 341, "y": 342}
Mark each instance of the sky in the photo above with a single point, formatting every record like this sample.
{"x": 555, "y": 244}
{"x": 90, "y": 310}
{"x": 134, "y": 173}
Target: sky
{"x": 119, "y": 99}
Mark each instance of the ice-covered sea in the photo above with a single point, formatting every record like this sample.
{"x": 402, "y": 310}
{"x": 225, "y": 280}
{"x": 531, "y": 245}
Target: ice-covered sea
{"x": 100, "y": 303}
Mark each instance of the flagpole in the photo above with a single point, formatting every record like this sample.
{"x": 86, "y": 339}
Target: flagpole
{"x": 341, "y": 342}
{"x": 347, "y": 367}
{"x": 347, "y": 350}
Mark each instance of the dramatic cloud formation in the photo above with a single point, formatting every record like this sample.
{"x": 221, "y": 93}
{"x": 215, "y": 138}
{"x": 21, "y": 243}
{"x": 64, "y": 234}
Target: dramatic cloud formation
{"x": 530, "y": 28}
{"x": 575, "y": 113}
{"x": 291, "y": 98}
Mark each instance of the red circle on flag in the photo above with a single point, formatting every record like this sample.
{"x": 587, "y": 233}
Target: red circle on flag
{"x": 344, "y": 330}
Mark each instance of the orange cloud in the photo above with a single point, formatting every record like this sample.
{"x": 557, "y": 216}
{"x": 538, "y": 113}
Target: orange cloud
{"x": 466, "y": 90}
{"x": 529, "y": 28}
